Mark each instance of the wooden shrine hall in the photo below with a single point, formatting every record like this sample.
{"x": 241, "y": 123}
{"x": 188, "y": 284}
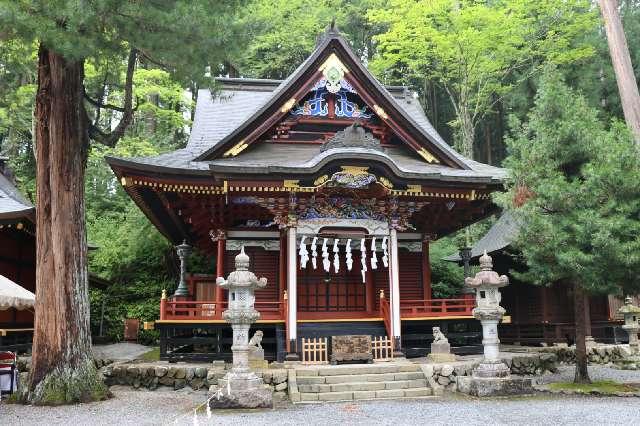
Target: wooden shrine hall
{"x": 333, "y": 183}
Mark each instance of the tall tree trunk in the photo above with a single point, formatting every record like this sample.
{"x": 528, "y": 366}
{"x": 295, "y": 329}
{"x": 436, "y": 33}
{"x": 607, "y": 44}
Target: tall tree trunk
{"x": 619, "y": 51}
{"x": 579, "y": 299}
{"x": 62, "y": 370}
{"x": 467, "y": 132}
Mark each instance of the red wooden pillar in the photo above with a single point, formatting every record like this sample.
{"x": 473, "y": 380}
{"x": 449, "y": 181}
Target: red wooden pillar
{"x": 221, "y": 240}
{"x": 426, "y": 269}
{"x": 282, "y": 267}
{"x": 163, "y": 305}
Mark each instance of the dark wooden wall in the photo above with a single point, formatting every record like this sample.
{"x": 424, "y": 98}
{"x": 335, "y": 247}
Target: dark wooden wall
{"x": 263, "y": 263}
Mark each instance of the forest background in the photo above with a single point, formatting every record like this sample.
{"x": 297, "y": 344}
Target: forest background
{"x": 472, "y": 64}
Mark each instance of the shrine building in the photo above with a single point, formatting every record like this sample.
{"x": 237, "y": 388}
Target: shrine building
{"x": 335, "y": 185}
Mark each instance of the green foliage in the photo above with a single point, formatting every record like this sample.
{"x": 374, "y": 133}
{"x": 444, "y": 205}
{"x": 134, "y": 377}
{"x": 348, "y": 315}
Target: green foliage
{"x": 477, "y": 51}
{"x": 152, "y": 355}
{"x": 447, "y": 278}
{"x": 575, "y": 187}
{"x": 282, "y": 33}
{"x": 185, "y": 36}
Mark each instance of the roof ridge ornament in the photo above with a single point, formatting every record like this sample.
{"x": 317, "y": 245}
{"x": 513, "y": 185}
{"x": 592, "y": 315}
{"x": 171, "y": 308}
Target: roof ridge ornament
{"x": 329, "y": 32}
{"x": 333, "y": 70}
{"x": 353, "y": 136}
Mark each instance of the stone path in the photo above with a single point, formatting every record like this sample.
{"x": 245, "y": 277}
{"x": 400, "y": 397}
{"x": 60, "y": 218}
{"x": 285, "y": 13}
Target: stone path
{"x": 120, "y": 351}
{"x": 138, "y": 408}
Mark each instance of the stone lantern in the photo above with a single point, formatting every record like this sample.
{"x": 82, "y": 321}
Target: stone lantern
{"x": 486, "y": 284}
{"x": 631, "y": 323}
{"x": 240, "y": 387}
{"x": 183, "y": 250}
{"x": 492, "y": 377}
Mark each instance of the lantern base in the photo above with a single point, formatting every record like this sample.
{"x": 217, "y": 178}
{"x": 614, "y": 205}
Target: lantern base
{"x": 494, "y": 386}
{"x": 254, "y": 398}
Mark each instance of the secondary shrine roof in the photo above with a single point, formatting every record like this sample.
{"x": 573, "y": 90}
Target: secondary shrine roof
{"x": 499, "y": 236}
{"x": 12, "y": 204}
{"x": 235, "y": 113}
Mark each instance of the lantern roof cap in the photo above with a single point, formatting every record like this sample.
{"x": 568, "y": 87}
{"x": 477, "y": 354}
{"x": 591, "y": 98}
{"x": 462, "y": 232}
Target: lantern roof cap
{"x": 629, "y": 307}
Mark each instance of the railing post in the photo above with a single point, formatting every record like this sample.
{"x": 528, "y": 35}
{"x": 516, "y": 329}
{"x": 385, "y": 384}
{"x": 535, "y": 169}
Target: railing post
{"x": 163, "y": 304}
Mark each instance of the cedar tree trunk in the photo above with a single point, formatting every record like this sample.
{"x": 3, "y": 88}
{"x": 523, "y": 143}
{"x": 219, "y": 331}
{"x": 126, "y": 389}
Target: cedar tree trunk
{"x": 619, "y": 51}
{"x": 579, "y": 300}
{"x": 62, "y": 370}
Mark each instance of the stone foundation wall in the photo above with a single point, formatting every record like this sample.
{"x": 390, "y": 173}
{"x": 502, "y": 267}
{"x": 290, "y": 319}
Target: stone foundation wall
{"x": 601, "y": 354}
{"x": 444, "y": 376}
{"x": 151, "y": 376}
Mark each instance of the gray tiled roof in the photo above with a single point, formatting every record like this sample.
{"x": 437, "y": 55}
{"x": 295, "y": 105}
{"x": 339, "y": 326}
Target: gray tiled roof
{"x": 12, "y": 203}
{"x": 218, "y": 115}
{"x": 499, "y": 236}
{"x": 221, "y": 116}
{"x": 268, "y": 158}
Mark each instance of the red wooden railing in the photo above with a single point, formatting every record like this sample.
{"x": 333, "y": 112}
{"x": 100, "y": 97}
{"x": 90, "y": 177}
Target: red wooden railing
{"x": 210, "y": 310}
{"x": 278, "y": 310}
{"x": 436, "y": 307}
{"x": 385, "y": 313}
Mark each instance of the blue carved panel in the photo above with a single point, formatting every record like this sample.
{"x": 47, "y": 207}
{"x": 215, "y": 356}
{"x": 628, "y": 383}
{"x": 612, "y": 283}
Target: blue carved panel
{"x": 346, "y": 108}
{"x": 316, "y": 105}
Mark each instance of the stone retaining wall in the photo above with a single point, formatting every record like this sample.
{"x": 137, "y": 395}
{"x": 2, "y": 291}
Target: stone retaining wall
{"x": 151, "y": 376}
{"x": 601, "y": 354}
{"x": 444, "y": 376}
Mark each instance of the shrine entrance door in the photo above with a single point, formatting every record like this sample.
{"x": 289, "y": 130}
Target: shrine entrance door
{"x": 321, "y": 291}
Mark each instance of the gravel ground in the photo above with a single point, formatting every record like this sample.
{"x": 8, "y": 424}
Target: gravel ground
{"x": 168, "y": 407}
{"x": 596, "y": 372}
{"x": 120, "y": 351}
{"x": 130, "y": 407}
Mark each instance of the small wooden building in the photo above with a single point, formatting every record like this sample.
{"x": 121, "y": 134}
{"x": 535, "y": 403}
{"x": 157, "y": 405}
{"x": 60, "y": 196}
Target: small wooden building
{"x": 540, "y": 313}
{"x": 17, "y": 259}
{"x": 327, "y": 157}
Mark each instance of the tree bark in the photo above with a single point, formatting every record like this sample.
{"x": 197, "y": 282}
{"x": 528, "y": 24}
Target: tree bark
{"x": 579, "y": 299}
{"x": 62, "y": 370}
{"x": 619, "y": 51}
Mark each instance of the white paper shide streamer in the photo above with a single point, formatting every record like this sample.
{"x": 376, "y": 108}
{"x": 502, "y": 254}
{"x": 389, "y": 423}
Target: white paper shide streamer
{"x": 314, "y": 253}
{"x": 304, "y": 254}
{"x": 349, "y": 259}
{"x": 374, "y": 256}
{"x": 325, "y": 256}
{"x": 363, "y": 259}
{"x": 336, "y": 256}
{"x": 385, "y": 253}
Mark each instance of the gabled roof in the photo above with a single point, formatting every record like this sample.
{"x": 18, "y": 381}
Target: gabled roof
{"x": 225, "y": 118}
{"x": 333, "y": 45}
{"x": 216, "y": 116}
{"x": 13, "y": 205}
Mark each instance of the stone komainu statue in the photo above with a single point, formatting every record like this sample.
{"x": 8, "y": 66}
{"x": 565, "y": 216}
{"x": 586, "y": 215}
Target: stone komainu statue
{"x": 438, "y": 336}
{"x": 256, "y": 339}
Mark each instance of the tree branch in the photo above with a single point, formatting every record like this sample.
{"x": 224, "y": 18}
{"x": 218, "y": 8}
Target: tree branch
{"x": 98, "y": 104}
{"x": 111, "y": 138}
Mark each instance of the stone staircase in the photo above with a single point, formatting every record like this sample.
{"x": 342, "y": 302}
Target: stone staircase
{"x": 357, "y": 382}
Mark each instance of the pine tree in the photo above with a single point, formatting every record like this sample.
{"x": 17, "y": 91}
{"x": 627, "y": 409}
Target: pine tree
{"x": 181, "y": 36}
{"x": 575, "y": 188}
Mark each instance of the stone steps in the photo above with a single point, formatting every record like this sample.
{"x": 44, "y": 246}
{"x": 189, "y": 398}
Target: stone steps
{"x": 359, "y": 382}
